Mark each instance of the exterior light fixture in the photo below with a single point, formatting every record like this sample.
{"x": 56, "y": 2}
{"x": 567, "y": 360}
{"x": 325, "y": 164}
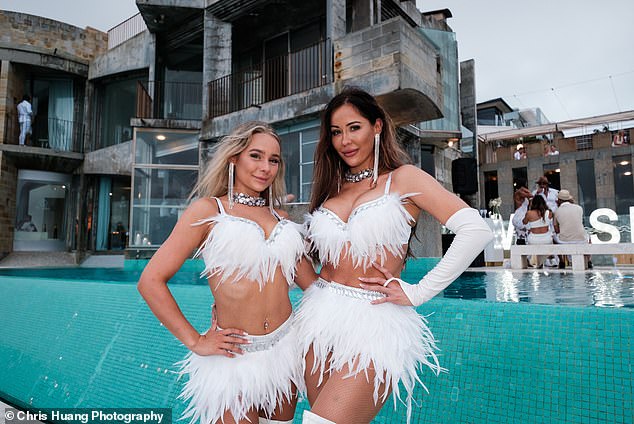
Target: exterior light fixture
{"x": 160, "y": 137}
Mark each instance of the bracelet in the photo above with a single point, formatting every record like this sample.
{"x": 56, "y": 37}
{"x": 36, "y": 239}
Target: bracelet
{"x": 389, "y": 280}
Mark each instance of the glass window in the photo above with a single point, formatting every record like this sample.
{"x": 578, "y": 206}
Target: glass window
{"x": 53, "y": 115}
{"x": 117, "y": 105}
{"x": 623, "y": 183}
{"x": 113, "y": 214}
{"x": 41, "y": 211}
{"x": 552, "y": 171}
{"x": 586, "y": 186}
{"x": 520, "y": 178}
{"x": 427, "y": 162}
{"x": 584, "y": 142}
{"x": 160, "y": 196}
{"x": 490, "y": 186}
{"x": 182, "y": 95}
{"x": 166, "y": 147}
{"x": 298, "y": 148}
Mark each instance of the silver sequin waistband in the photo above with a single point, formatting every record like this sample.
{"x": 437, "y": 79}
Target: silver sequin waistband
{"x": 266, "y": 341}
{"x": 347, "y": 291}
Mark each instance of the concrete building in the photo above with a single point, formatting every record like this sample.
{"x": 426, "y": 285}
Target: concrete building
{"x": 171, "y": 81}
{"x": 48, "y": 61}
{"x": 593, "y": 160}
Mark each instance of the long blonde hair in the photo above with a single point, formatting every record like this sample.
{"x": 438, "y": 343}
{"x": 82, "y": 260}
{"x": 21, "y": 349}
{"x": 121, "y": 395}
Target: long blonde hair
{"x": 214, "y": 181}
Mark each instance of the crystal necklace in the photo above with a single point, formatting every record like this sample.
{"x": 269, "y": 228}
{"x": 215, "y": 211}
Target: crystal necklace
{"x": 355, "y": 177}
{"x": 245, "y": 199}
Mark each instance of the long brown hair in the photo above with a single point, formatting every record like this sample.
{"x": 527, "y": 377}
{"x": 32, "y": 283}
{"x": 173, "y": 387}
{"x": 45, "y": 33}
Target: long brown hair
{"x": 329, "y": 167}
{"x": 539, "y": 204}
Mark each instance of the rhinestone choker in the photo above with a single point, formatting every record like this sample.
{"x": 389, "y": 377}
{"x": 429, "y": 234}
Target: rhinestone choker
{"x": 357, "y": 176}
{"x": 245, "y": 199}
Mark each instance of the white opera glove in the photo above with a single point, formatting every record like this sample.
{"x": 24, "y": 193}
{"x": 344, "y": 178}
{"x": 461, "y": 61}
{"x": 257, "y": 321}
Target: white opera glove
{"x": 472, "y": 235}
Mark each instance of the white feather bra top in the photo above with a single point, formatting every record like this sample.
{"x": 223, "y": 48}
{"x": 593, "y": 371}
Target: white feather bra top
{"x": 373, "y": 229}
{"x": 238, "y": 247}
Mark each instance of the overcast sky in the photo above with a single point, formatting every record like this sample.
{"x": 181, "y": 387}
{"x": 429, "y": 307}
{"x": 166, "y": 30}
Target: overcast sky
{"x": 572, "y": 58}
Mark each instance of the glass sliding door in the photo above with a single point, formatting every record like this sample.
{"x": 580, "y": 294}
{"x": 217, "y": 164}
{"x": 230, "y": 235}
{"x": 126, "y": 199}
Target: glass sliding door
{"x": 41, "y": 211}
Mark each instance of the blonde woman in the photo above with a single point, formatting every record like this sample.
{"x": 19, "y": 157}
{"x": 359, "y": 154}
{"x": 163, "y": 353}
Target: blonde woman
{"x": 247, "y": 366}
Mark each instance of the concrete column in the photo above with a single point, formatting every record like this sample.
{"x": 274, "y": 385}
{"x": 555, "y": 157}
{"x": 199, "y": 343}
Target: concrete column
{"x": 8, "y": 187}
{"x": 5, "y": 102}
{"x": 604, "y": 174}
{"x": 427, "y": 242}
{"x": 216, "y": 55}
{"x": 413, "y": 150}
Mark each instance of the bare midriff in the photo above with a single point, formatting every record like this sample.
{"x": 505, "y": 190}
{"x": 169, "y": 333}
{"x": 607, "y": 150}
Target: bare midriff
{"x": 540, "y": 230}
{"x": 347, "y": 274}
{"x": 242, "y": 305}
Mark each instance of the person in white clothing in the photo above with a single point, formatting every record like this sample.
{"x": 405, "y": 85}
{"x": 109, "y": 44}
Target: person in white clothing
{"x": 549, "y": 194}
{"x": 521, "y": 198}
{"x": 520, "y": 152}
{"x": 538, "y": 222}
{"x": 24, "y": 118}
{"x": 568, "y": 223}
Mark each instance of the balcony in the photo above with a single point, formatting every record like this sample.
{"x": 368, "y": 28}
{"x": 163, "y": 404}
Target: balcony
{"x": 169, "y": 100}
{"x": 57, "y": 134}
{"x": 48, "y": 133}
{"x": 396, "y": 63}
{"x": 54, "y": 145}
{"x": 273, "y": 79}
{"x": 125, "y": 30}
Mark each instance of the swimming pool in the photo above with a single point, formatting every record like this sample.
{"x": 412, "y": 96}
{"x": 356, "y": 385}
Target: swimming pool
{"x": 518, "y": 350}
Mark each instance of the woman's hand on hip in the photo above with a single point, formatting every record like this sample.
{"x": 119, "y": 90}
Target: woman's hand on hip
{"x": 392, "y": 290}
{"x": 220, "y": 342}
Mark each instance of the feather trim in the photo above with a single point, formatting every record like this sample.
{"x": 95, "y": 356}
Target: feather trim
{"x": 236, "y": 247}
{"x": 373, "y": 230}
{"x": 393, "y": 339}
{"x": 260, "y": 380}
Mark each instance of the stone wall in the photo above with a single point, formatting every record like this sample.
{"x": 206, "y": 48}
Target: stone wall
{"x": 43, "y": 35}
{"x": 11, "y": 92}
{"x": 602, "y": 154}
{"x": 8, "y": 184}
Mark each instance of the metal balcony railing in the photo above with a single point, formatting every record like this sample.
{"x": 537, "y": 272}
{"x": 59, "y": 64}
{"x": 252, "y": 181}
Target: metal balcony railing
{"x": 57, "y": 134}
{"x": 169, "y": 100}
{"x": 273, "y": 79}
{"x": 126, "y": 30}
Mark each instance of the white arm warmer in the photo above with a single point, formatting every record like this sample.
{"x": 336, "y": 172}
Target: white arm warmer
{"x": 472, "y": 235}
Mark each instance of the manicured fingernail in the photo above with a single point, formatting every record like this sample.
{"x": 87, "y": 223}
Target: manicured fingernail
{"x": 245, "y": 333}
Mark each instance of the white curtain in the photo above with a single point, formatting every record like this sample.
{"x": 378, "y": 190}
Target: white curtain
{"x": 60, "y": 115}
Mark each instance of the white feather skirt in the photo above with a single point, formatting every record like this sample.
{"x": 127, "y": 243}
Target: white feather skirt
{"x": 268, "y": 373}
{"x": 394, "y": 340}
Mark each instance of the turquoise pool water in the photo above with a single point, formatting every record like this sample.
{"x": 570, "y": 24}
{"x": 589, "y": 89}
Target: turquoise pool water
{"x": 518, "y": 350}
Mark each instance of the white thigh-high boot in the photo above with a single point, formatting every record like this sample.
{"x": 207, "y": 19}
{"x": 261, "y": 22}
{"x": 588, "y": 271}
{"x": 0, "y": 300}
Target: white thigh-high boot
{"x": 312, "y": 418}
{"x": 267, "y": 421}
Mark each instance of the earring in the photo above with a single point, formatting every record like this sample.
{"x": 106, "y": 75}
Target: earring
{"x": 232, "y": 167}
{"x": 271, "y": 199}
{"x": 375, "y": 170}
